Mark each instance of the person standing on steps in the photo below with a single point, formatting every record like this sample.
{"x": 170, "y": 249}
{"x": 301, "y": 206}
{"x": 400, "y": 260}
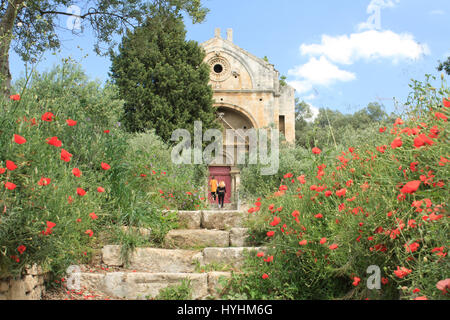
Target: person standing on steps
{"x": 221, "y": 190}
{"x": 213, "y": 183}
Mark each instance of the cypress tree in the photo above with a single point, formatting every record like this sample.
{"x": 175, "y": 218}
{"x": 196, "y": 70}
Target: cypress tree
{"x": 162, "y": 78}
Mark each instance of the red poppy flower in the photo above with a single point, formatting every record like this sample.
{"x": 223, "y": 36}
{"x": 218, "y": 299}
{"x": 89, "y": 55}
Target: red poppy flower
{"x": 443, "y": 285}
{"x": 270, "y": 233}
{"x": 21, "y": 249}
{"x": 441, "y": 116}
{"x": 44, "y": 182}
{"x": 316, "y": 150}
{"x": 301, "y": 179}
{"x": 412, "y": 247}
{"x": 446, "y": 103}
{"x": 323, "y": 240}
{"x": 356, "y": 281}
{"x": 398, "y": 121}
{"x": 276, "y": 221}
{"x": 269, "y": 259}
{"x": 341, "y": 193}
{"x": 397, "y": 143}
{"x": 265, "y": 276}
{"x": 19, "y": 139}
{"x": 53, "y": 141}
{"x": 11, "y": 166}
{"x": 76, "y": 172}
{"x": 105, "y": 166}
{"x": 106, "y": 131}
{"x": 402, "y": 272}
{"x": 51, "y": 225}
{"x": 260, "y": 254}
{"x": 65, "y": 155}
{"x": 48, "y": 117}
{"x": 15, "y": 97}
{"x": 422, "y": 140}
{"x": 100, "y": 189}
{"x": 2, "y": 170}
{"x": 411, "y": 187}
{"x": 382, "y": 129}
{"x": 89, "y": 232}
{"x": 303, "y": 243}
{"x": 10, "y": 185}
{"x": 333, "y": 246}
{"x": 93, "y": 216}
{"x": 81, "y": 192}
{"x": 71, "y": 122}
{"x": 319, "y": 216}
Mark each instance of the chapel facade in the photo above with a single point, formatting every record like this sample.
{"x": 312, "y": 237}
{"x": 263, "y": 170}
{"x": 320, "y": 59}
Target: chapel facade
{"x": 247, "y": 94}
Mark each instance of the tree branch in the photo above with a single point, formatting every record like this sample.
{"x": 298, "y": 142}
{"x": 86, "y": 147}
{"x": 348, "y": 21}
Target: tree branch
{"x": 84, "y": 16}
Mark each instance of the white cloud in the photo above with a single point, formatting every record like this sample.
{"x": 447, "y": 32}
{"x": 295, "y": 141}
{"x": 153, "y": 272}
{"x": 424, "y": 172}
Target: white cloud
{"x": 315, "y": 112}
{"x": 437, "y": 12}
{"x": 319, "y": 72}
{"x": 368, "y": 45}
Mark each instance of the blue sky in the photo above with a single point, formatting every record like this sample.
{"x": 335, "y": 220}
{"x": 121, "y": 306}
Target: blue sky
{"x": 337, "y": 54}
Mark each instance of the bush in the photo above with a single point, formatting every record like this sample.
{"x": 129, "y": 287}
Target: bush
{"x": 45, "y": 217}
{"x": 384, "y": 203}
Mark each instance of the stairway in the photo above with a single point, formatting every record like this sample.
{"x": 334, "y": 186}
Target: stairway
{"x": 207, "y": 240}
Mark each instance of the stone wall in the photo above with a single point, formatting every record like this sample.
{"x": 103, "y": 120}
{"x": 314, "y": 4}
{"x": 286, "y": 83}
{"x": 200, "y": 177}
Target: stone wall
{"x": 29, "y": 287}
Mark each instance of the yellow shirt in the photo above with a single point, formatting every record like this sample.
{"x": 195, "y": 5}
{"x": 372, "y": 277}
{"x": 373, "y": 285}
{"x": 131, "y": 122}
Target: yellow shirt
{"x": 213, "y": 184}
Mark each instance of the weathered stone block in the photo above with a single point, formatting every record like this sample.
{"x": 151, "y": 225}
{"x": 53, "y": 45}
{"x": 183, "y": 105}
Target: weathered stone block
{"x": 190, "y": 219}
{"x": 228, "y": 256}
{"x": 111, "y": 256}
{"x": 143, "y": 285}
{"x": 4, "y": 285}
{"x": 238, "y": 237}
{"x": 30, "y": 282}
{"x": 165, "y": 260}
{"x": 215, "y": 287}
{"x": 197, "y": 238}
{"x": 222, "y": 220}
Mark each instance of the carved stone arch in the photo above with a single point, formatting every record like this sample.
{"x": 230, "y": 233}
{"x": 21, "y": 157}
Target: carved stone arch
{"x": 238, "y": 110}
{"x": 244, "y": 64}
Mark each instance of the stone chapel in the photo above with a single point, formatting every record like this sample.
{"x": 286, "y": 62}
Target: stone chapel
{"x": 247, "y": 94}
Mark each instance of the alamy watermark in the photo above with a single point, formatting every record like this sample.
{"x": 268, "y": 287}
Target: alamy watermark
{"x": 237, "y": 143}
{"x": 374, "y": 10}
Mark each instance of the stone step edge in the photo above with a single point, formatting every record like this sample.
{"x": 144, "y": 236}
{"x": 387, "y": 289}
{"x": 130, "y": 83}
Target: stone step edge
{"x": 204, "y": 219}
{"x": 111, "y": 254}
{"x": 119, "y": 284}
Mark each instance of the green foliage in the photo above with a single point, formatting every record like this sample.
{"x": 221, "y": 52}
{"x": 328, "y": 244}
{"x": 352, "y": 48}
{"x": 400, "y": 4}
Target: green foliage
{"x": 41, "y": 18}
{"x": 356, "y": 202}
{"x": 333, "y": 127}
{"x": 179, "y": 292}
{"x": 444, "y": 66}
{"x": 163, "y": 79}
{"x": 141, "y": 183}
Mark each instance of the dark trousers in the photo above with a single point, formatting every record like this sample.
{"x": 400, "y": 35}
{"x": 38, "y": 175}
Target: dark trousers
{"x": 213, "y": 195}
{"x": 221, "y": 198}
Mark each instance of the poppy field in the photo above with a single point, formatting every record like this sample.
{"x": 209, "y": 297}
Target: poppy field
{"x": 71, "y": 178}
{"x": 368, "y": 221}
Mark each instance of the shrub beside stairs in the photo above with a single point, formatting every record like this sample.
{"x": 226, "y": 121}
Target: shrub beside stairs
{"x": 209, "y": 240}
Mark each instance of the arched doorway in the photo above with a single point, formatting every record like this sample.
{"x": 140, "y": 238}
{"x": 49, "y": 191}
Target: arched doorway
{"x": 225, "y": 167}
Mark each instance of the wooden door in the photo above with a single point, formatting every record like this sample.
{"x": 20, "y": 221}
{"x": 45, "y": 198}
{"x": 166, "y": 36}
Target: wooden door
{"x": 220, "y": 174}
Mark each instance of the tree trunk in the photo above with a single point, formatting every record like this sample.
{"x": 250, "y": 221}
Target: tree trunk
{"x": 6, "y": 28}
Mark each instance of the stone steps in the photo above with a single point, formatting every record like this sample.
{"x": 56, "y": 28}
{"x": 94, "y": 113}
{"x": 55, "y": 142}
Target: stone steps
{"x": 175, "y": 260}
{"x": 213, "y": 220}
{"x": 147, "y": 285}
{"x": 208, "y": 240}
